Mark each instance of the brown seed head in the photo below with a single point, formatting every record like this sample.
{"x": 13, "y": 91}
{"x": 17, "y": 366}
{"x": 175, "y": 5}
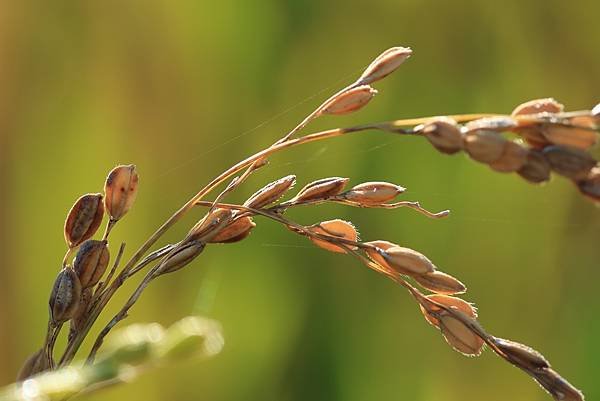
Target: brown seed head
{"x": 38, "y": 362}
{"x": 236, "y": 231}
{"x": 569, "y": 162}
{"x": 485, "y": 146}
{"x": 375, "y": 255}
{"x": 451, "y": 302}
{"x": 321, "y": 189}
{"x": 444, "y": 135}
{"x": 512, "y": 159}
{"x": 210, "y": 225}
{"x": 65, "y": 296}
{"x": 580, "y": 138}
{"x": 373, "y": 193}
{"x": 536, "y": 106}
{"x": 386, "y": 63}
{"x": 120, "y": 190}
{"x": 83, "y": 219}
{"x": 521, "y": 355}
{"x": 349, "y": 101}
{"x": 91, "y": 262}
{"x": 182, "y": 257}
{"x": 440, "y": 283}
{"x": 590, "y": 185}
{"x": 271, "y": 192}
{"x": 407, "y": 261}
{"x": 536, "y": 168}
{"x": 558, "y": 387}
{"x": 337, "y": 228}
{"x": 82, "y": 310}
{"x": 459, "y": 336}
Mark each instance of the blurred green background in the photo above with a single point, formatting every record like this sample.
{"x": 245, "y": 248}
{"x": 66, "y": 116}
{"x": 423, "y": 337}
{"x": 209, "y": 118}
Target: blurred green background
{"x": 184, "y": 89}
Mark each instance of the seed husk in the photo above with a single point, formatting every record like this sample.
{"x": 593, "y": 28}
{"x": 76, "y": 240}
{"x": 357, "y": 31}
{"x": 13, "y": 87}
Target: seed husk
{"x": 373, "y": 193}
{"x": 575, "y": 137}
{"x": 36, "y": 363}
{"x": 536, "y": 106}
{"x": 569, "y": 162}
{"x": 536, "y": 168}
{"x": 91, "y": 262}
{"x": 521, "y": 355}
{"x": 375, "y": 255}
{"x": 533, "y": 134}
{"x": 386, "y": 63}
{"x": 444, "y": 135}
{"x": 65, "y": 296}
{"x": 459, "y": 336}
{"x": 83, "y": 219}
{"x": 558, "y": 387}
{"x": 590, "y": 185}
{"x": 321, "y": 189}
{"x": 441, "y": 283}
{"x": 337, "y": 228}
{"x": 451, "y": 302}
{"x": 596, "y": 111}
{"x": 349, "y": 101}
{"x": 182, "y": 257}
{"x": 271, "y": 192}
{"x": 236, "y": 231}
{"x": 512, "y": 159}
{"x": 120, "y": 190}
{"x": 210, "y": 225}
{"x": 485, "y": 146}
{"x": 407, "y": 261}
{"x": 82, "y": 310}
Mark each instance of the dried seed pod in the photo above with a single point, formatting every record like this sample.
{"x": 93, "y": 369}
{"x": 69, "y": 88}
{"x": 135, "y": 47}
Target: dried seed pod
{"x": 444, "y": 135}
{"x": 321, "y": 189}
{"x": 459, "y": 336}
{"x": 558, "y": 387}
{"x": 336, "y": 228}
{"x": 38, "y": 362}
{"x": 83, "y": 219}
{"x": 536, "y": 106}
{"x": 440, "y": 283}
{"x": 536, "y": 168}
{"x": 570, "y": 162}
{"x": 349, "y": 101}
{"x": 590, "y": 185}
{"x": 485, "y": 146}
{"x": 91, "y": 262}
{"x": 580, "y": 138}
{"x": 182, "y": 257}
{"x": 372, "y": 193}
{"x": 451, "y": 302}
{"x": 407, "y": 261}
{"x": 498, "y": 124}
{"x": 386, "y": 63}
{"x": 211, "y": 224}
{"x": 521, "y": 355}
{"x": 533, "y": 133}
{"x": 65, "y": 296}
{"x": 82, "y": 310}
{"x": 236, "y": 231}
{"x": 120, "y": 190}
{"x": 512, "y": 159}
{"x": 271, "y": 192}
{"x": 375, "y": 255}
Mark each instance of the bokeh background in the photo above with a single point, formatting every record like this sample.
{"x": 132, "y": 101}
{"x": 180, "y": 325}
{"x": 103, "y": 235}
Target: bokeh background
{"x": 184, "y": 89}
